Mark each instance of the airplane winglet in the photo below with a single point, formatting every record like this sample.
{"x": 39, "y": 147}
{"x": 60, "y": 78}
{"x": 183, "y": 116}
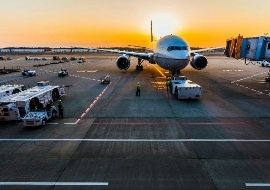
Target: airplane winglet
{"x": 151, "y": 32}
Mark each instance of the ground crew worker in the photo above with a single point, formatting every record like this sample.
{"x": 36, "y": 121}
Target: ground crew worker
{"x": 60, "y": 109}
{"x": 62, "y": 73}
{"x": 168, "y": 84}
{"x": 138, "y": 92}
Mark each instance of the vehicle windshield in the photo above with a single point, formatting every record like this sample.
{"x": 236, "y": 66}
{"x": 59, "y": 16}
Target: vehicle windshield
{"x": 171, "y": 48}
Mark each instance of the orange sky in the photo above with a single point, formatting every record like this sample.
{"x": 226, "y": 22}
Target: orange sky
{"x": 106, "y": 23}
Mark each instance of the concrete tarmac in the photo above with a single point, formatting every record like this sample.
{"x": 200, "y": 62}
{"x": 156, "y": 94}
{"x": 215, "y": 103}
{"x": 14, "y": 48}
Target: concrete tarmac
{"x": 110, "y": 138}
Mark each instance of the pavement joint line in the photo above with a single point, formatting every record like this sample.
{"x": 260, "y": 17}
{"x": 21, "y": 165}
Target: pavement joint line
{"x": 57, "y": 183}
{"x": 139, "y": 140}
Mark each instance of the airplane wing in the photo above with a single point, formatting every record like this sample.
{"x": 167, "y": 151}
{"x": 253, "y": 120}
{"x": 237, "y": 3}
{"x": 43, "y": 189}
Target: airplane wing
{"x": 206, "y": 49}
{"x": 145, "y": 56}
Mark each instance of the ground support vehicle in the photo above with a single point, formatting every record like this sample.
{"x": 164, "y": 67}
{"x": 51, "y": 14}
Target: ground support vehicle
{"x": 264, "y": 63}
{"x": 9, "y": 89}
{"x": 16, "y": 106}
{"x": 183, "y": 88}
{"x": 62, "y": 73}
{"x": 105, "y": 79}
{"x": 29, "y": 73}
{"x": 39, "y": 117}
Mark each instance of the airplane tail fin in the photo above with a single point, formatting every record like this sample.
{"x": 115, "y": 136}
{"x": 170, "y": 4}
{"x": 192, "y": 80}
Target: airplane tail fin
{"x": 151, "y": 32}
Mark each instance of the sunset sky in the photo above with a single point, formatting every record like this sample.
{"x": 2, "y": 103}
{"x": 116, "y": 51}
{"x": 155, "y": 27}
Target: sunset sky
{"x": 107, "y": 23}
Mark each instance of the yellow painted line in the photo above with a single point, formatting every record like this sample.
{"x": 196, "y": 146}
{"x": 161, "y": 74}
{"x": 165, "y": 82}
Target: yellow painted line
{"x": 159, "y": 71}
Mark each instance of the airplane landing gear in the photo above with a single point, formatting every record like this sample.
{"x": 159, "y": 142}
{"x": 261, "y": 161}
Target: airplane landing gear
{"x": 139, "y": 67}
{"x": 177, "y": 72}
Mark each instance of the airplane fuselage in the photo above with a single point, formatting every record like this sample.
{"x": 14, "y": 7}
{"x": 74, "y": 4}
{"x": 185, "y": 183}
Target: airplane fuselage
{"x": 172, "y": 53}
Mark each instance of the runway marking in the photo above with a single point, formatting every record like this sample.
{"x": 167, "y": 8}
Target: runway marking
{"x": 257, "y": 184}
{"x": 228, "y": 70}
{"x": 93, "y": 103}
{"x": 70, "y": 123}
{"x": 181, "y": 123}
{"x": 159, "y": 71}
{"x": 239, "y": 80}
{"x": 137, "y": 140}
{"x": 57, "y": 183}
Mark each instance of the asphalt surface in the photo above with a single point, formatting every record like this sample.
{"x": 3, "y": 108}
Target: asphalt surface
{"x": 111, "y": 139}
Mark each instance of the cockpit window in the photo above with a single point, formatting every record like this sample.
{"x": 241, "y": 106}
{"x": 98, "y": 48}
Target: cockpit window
{"x": 171, "y": 48}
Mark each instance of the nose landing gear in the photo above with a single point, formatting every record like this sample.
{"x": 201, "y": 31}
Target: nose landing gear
{"x": 139, "y": 67}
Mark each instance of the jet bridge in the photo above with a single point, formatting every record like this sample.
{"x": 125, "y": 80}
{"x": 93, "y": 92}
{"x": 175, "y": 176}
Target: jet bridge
{"x": 252, "y": 48}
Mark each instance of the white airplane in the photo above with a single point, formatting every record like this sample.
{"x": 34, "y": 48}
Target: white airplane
{"x": 171, "y": 53}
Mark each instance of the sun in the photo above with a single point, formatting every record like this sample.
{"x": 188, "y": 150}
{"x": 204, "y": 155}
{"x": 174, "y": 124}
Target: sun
{"x": 163, "y": 25}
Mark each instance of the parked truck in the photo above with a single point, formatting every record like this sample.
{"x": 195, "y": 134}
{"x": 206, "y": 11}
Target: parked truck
{"x": 183, "y": 88}
{"x": 16, "y": 106}
{"x": 10, "y": 89}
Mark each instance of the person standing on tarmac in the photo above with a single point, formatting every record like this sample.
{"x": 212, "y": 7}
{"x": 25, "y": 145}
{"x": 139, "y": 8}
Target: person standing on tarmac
{"x": 60, "y": 109}
{"x": 138, "y": 92}
{"x": 168, "y": 84}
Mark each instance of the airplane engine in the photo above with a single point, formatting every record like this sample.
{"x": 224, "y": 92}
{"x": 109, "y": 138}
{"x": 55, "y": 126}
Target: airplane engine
{"x": 123, "y": 62}
{"x": 198, "y": 62}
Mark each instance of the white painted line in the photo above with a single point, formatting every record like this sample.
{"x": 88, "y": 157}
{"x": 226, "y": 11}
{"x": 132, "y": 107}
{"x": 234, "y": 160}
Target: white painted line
{"x": 56, "y": 183}
{"x": 257, "y": 184}
{"x": 70, "y": 123}
{"x": 143, "y": 140}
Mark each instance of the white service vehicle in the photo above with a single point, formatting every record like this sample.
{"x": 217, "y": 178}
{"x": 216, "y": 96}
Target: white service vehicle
{"x": 264, "y": 63}
{"x": 183, "y": 88}
{"x": 16, "y": 106}
{"x": 9, "y": 89}
{"x": 39, "y": 117}
{"x": 28, "y": 72}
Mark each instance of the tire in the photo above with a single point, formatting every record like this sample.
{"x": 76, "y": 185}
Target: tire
{"x": 176, "y": 93}
{"x": 43, "y": 123}
{"x": 54, "y": 114}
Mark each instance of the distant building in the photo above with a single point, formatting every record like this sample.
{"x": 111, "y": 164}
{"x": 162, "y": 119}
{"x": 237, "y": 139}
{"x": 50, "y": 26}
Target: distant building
{"x": 45, "y": 50}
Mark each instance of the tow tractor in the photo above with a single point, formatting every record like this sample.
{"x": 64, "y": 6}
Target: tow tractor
{"x": 28, "y": 72}
{"x": 105, "y": 79}
{"x": 62, "y": 73}
{"x": 183, "y": 88}
{"x": 39, "y": 117}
